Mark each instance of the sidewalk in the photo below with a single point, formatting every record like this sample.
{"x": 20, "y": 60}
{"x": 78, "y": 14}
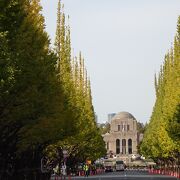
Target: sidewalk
{"x": 56, "y": 177}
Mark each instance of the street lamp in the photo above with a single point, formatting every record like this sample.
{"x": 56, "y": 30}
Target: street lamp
{"x": 65, "y": 155}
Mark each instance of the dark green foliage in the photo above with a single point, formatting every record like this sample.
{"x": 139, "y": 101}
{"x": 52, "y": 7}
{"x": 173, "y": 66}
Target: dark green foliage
{"x": 45, "y": 99}
{"x": 141, "y": 127}
{"x": 29, "y": 90}
{"x": 104, "y": 128}
{"x": 82, "y": 138}
{"x": 174, "y": 124}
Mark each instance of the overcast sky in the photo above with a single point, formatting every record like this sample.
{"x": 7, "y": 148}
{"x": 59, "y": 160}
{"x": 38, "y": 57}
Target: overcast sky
{"x": 124, "y": 43}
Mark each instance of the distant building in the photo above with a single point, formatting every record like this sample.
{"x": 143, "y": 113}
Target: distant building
{"x": 123, "y": 138}
{"x": 110, "y": 116}
{"x": 96, "y": 118}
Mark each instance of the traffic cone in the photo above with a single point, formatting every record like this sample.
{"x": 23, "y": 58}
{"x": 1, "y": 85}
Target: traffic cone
{"x": 175, "y": 174}
{"x": 178, "y": 175}
{"x": 82, "y": 173}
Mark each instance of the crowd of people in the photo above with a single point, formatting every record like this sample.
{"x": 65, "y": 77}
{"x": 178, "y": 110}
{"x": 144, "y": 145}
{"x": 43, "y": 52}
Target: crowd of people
{"x": 86, "y": 169}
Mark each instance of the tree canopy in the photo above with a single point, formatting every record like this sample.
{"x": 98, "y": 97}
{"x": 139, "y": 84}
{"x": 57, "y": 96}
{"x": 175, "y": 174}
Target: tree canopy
{"x": 162, "y": 136}
{"x": 45, "y": 93}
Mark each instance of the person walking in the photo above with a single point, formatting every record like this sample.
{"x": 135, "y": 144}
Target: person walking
{"x": 63, "y": 171}
{"x": 86, "y": 170}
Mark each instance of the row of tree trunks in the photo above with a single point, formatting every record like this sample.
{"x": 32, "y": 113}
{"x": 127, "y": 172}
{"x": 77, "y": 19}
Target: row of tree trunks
{"x": 169, "y": 165}
{"x": 25, "y": 174}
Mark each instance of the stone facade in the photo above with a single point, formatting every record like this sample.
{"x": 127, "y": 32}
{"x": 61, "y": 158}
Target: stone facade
{"x": 123, "y": 137}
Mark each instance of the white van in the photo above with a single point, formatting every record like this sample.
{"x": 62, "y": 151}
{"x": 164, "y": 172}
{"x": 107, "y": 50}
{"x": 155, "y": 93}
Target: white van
{"x": 120, "y": 165}
{"x": 109, "y": 165}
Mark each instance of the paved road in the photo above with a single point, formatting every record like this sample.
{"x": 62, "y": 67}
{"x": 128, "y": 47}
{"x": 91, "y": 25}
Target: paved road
{"x": 126, "y": 175}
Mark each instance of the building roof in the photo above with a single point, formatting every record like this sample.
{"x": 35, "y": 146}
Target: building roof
{"x": 123, "y": 115}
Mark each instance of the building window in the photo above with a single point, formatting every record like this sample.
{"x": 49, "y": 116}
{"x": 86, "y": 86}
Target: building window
{"x": 128, "y": 127}
{"x": 117, "y": 146}
{"x": 130, "y": 146}
{"x": 123, "y": 146}
{"x": 123, "y": 127}
{"x": 119, "y": 127}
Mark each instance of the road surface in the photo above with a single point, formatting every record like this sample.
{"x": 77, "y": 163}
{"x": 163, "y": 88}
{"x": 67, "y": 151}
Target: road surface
{"x": 124, "y": 175}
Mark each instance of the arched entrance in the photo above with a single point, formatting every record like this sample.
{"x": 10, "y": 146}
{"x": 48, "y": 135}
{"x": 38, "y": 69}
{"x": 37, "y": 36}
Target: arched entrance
{"x": 117, "y": 146}
{"x": 130, "y": 146}
{"x": 123, "y": 146}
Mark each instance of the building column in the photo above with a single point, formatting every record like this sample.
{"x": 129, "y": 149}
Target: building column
{"x": 127, "y": 146}
{"x": 134, "y": 146}
{"x": 113, "y": 146}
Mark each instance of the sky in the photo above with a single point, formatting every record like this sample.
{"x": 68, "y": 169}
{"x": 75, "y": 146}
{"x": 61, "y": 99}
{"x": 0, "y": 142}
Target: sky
{"x": 124, "y": 43}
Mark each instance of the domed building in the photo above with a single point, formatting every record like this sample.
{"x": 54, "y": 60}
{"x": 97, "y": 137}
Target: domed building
{"x": 123, "y": 138}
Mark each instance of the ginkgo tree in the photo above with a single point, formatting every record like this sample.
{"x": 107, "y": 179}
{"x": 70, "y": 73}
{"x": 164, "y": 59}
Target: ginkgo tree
{"x": 162, "y": 138}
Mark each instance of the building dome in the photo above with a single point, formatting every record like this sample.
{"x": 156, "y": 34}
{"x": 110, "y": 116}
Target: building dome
{"x": 123, "y": 115}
